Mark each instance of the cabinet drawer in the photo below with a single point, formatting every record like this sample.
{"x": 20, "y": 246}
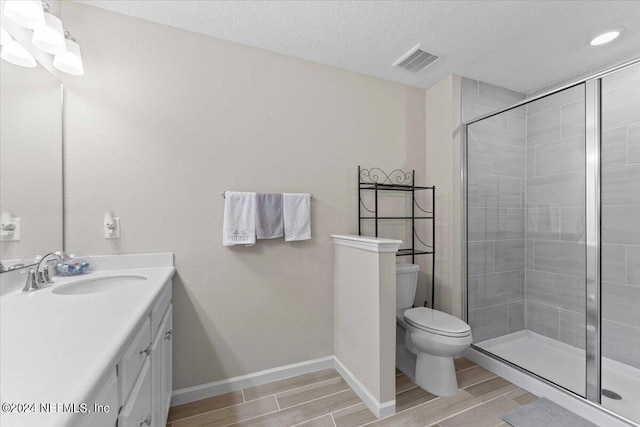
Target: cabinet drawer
{"x": 160, "y": 307}
{"x": 137, "y": 353}
{"x": 137, "y": 411}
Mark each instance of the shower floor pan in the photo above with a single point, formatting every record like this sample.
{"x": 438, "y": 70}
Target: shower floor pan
{"x": 564, "y": 365}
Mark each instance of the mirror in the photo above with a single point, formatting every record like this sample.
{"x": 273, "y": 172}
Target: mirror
{"x": 30, "y": 162}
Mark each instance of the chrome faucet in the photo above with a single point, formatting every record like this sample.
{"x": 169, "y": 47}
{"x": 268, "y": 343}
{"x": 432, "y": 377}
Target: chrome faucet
{"x": 30, "y": 284}
{"x": 39, "y": 277}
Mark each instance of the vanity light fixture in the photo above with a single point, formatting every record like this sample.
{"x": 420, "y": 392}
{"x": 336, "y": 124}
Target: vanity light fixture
{"x": 26, "y": 13}
{"x": 50, "y": 36}
{"x": 17, "y": 55}
{"x": 69, "y": 60}
{"x": 605, "y": 38}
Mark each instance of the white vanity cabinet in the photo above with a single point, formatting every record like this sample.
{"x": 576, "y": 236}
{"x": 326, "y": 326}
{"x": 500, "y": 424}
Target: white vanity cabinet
{"x": 145, "y": 369}
{"x": 110, "y": 333}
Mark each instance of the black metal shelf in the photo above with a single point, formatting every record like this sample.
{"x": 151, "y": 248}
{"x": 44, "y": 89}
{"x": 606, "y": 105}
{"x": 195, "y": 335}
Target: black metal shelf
{"x": 411, "y": 252}
{"x": 396, "y": 217}
{"x": 392, "y": 187}
{"x": 376, "y": 180}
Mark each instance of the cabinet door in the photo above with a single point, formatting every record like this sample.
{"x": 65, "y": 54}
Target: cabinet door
{"x": 161, "y": 367}
{"x": 137, "y": 411}
{"x": 134, "y": 357}
{"x": 156, "y": 377}
{"x": 167, "y": 360}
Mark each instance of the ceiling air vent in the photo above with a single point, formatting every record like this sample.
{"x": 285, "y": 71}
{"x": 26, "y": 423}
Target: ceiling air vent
{"x": 416, "y": 59}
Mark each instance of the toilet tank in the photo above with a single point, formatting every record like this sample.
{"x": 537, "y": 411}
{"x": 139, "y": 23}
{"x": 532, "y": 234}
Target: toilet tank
{"x": 406, "y": 282}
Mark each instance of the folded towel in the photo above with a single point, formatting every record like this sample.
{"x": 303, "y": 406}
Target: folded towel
{"x": 296, "y": 210}
{"x": 239, "y": 224}
{"x": 269, "y": 216}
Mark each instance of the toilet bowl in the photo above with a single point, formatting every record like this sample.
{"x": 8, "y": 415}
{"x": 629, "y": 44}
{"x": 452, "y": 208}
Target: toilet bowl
{"x": 434, "y": 337}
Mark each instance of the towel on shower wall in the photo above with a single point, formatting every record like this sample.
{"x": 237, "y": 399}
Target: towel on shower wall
{"x": 269, "y": 223}
{"x": 239, "y": 223}
{"x": 296, "y": 210}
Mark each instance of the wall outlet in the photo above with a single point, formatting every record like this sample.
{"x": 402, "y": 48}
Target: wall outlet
{"x": 112, "y": 233}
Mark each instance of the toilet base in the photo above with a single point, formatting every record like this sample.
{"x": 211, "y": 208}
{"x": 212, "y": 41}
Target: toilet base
{"x": 405, "y": 360}
{"x": 436, "y": 374}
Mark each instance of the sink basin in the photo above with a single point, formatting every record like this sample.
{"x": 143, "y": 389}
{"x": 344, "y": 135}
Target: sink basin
{"x": 98, "y": 284}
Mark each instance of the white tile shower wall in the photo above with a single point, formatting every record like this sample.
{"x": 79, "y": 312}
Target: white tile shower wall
{"x": 555, "y": 228}
{"x": 496, "y": 220}
{"x": 621, "y": 216}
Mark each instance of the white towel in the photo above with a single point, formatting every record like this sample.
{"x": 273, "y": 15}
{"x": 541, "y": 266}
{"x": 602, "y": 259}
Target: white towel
{"x": 296, "y": 210}
{"x": 239, "y": 224}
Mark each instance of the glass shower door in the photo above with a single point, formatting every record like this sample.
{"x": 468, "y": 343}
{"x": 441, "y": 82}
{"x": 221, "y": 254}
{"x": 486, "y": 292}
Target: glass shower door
{"x": 553, "y": 237}
{"x": 526, "y": 236}
{"x": 620, "y": 259}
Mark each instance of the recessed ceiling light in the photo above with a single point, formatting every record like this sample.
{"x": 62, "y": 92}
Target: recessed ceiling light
{"x": 605, "y": 38}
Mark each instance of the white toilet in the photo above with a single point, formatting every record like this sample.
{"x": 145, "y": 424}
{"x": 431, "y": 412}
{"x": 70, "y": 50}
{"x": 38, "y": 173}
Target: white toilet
{"x": 426, "y": 339}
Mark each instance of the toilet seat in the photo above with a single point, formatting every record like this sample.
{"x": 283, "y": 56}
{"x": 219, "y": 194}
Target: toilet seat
{"x": 436, "y": 322}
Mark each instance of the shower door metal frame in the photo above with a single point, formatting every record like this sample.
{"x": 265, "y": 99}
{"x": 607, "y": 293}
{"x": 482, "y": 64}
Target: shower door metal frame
{"x": 593, "y": 116}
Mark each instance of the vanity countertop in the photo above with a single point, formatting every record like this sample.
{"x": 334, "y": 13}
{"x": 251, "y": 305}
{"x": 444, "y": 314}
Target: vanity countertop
{"x": 59, "y": 348}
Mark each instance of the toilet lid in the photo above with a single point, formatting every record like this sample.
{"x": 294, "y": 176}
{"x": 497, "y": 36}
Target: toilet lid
{"x": 436, "y": 322}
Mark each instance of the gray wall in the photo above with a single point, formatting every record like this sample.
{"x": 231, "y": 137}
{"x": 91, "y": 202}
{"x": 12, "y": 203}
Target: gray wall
{"x": 443, "y": 109}
{"x": 164, "y": 120}
{"x": 495, "y": 211}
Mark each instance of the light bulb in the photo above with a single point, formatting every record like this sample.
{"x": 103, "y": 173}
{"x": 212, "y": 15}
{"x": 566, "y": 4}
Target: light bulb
{"x": 605, "y": 38}
{"x": 49, "y": 37}
{"x": 69, "y": 60}
{"x": 26, "y": 13}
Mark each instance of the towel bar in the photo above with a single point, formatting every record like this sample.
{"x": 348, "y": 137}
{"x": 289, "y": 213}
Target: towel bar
{"x": 223, "y": 193}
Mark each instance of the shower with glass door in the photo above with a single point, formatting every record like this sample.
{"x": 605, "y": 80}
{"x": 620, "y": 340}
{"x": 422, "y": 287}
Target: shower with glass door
{"x": 552, "y": 213}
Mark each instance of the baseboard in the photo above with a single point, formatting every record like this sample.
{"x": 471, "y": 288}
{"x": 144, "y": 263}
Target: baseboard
{"x": 191, "y": 394}
{"x": 596, "y": 414}
{"x": 379, "y": 410}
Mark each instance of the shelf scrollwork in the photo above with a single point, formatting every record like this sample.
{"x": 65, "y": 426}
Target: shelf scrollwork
{"x": 378, "y": 176}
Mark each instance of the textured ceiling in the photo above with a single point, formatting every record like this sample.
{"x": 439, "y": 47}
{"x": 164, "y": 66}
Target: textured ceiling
{"x": 521, "y": 45}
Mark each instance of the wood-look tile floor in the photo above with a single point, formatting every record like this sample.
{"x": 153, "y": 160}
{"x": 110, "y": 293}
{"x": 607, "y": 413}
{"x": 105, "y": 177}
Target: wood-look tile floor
{"x": 323, "y": 399}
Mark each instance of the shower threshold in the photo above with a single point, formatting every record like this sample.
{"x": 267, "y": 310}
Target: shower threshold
{"x": 564, "y": 365}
